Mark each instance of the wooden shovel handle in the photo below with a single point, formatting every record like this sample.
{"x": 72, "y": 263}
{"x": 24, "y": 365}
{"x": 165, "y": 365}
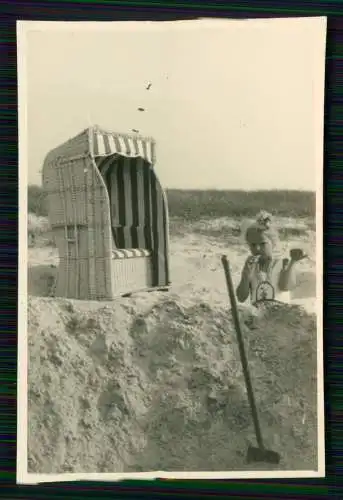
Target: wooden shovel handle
{"x": 243, "y": 356}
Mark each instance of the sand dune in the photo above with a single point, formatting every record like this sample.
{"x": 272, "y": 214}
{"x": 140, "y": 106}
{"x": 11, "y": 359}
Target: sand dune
{"x": 154, "y": 381}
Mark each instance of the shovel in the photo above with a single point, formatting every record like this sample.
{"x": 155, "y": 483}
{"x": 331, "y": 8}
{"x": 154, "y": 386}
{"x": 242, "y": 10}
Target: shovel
{"x": 260, "y": 453}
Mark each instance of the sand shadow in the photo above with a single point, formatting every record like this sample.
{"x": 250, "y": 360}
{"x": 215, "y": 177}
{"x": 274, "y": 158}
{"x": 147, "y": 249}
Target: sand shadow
{"x": 41, "y": 280}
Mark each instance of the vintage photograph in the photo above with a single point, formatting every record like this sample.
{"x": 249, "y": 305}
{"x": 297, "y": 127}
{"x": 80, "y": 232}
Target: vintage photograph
{"x": 170, "y": 295}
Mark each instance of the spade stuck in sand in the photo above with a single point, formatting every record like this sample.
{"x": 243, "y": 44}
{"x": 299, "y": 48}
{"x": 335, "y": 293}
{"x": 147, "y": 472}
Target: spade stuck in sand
{"x": 259, "y": 453}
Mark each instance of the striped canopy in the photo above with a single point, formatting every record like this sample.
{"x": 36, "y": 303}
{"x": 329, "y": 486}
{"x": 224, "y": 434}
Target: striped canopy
{"x": 100, "y": 143}
{"x": 133, "y": 146}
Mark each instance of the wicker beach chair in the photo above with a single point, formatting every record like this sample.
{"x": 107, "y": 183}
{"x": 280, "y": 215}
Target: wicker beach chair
{"x": 109, "y": 215}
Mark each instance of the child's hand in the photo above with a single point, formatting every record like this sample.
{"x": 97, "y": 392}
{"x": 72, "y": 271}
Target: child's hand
{"x": 285, "y": 263}
{"x": 249, "y": 267}
{"x": 297, "y": 254}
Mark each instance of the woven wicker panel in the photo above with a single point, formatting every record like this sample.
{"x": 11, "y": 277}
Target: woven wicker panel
{"x": 64, "y": 184}
{"x": 78, "y": 202}
{"x": 61, "y": 284}
{"x": 130, "y": 275}
{"x": 99, "y": 234}
{"x": 77, "y": 146}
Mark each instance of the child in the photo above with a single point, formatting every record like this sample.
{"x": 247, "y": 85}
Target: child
{"x": 266, "y": 275}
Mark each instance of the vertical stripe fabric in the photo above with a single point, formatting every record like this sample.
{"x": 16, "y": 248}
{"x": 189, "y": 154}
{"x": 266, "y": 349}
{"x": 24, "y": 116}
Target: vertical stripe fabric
{"x": 139, "y": 213}
{"x": 105, "y": 144}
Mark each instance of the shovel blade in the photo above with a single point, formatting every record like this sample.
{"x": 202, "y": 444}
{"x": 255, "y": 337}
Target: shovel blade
{"x": 262, "y": 455}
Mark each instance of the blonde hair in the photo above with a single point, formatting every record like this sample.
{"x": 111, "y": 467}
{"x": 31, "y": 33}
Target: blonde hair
{"x": 271, "y": 234}
{"x": 263, "y": 216}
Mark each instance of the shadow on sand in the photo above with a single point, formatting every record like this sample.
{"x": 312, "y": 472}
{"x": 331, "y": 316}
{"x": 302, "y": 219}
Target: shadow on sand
{"x": 41, "y": 280}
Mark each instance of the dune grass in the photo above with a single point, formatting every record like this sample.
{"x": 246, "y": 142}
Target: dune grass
{"x": 213, "y": 213}
{"x": 195, "y": 204}
{"x": 216, "y": 203}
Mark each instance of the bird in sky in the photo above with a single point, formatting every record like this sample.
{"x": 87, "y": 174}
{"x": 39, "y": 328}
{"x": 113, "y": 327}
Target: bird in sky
{"x": 135, "y": 131}
{"x": 148, "y": 87}
{"x": 141, "y": 109}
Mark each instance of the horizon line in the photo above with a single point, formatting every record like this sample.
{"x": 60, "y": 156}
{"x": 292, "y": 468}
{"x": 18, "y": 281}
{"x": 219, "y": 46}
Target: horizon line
{"x": 260, "y": 190}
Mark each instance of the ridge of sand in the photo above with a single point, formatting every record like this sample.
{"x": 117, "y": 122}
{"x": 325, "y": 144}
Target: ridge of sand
{"x": 124, "y": 387}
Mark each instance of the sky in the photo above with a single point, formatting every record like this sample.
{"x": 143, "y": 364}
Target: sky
{"x": 232, "y": 104}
